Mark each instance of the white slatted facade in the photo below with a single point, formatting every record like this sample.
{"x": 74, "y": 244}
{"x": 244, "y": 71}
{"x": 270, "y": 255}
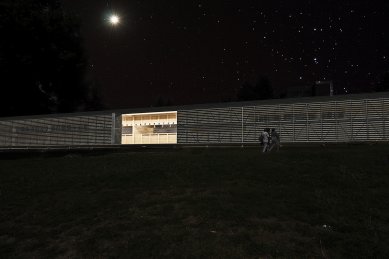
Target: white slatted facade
{"x": 203, "y": 126}
{"x": 327, "y": 119}
{"x": 71, "y": 130}
{"x": 332, "y": 121}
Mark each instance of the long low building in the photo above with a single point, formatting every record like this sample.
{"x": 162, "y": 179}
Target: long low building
{"x": 341, "y": 118}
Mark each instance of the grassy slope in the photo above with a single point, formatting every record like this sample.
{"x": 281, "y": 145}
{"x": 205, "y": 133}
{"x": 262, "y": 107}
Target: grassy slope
{"x": 235, "y": 203}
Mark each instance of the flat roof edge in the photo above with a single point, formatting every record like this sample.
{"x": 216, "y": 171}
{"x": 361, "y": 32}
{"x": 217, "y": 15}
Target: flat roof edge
{"x": 377, "y": 95}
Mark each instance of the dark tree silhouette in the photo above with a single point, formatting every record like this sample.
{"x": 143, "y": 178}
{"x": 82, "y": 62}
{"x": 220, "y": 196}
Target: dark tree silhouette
{"x": 260, "y": 91}
{"x": 246, "y": 92}
{"x": 42, "y": 63}
{"x": 383, "y": 84}
{"x": 163, "y": 101}
{"x": 264, "y": 88}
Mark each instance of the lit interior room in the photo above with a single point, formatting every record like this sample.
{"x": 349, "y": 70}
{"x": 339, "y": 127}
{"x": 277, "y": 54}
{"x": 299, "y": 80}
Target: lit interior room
{"x": 149, "y": 128}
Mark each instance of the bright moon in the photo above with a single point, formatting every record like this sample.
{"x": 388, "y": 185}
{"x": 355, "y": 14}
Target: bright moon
{"x": 114, "y": 19}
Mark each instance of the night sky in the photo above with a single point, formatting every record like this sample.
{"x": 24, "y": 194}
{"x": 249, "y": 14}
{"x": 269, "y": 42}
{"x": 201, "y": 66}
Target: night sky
{"x": 203, "y": 51}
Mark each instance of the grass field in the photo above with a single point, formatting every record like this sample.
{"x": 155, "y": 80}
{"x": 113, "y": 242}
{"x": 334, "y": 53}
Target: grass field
{"x": 302, "y": 202}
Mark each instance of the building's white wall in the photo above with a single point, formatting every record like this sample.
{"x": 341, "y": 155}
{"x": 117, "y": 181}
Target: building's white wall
{"x": 324, "y": 121}
{"x": 332, "y": 121}
{"x": 70, "y": 130}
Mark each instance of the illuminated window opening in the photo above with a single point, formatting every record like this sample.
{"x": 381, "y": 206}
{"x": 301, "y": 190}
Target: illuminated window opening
{"x": 149, "y": 128}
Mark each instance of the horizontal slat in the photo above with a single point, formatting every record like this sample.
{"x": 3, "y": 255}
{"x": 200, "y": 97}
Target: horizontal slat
{"x": 355, "y": 120}
{"x": 81, "y": 130}
{"x": 333, "y": 121}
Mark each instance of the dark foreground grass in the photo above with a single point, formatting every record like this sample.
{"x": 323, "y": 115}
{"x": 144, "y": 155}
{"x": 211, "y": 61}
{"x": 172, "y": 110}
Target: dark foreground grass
{"x": 310, "y": 202}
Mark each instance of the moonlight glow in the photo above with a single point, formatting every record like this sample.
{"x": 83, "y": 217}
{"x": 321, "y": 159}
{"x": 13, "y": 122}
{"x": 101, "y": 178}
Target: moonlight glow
{"x": 114, "y": 19}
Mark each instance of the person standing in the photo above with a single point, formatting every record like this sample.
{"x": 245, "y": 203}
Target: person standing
{"x": 265, "y": 140}
{"x": 275, "y": 140}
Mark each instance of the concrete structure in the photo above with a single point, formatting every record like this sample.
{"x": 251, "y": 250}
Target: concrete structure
{"x": 339, "y": 118}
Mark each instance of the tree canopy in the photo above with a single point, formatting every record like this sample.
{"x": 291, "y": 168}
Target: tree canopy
{"x": 383, "y": 83}
{"x": 42, "y": 62}
{"x": 260, "y": 91}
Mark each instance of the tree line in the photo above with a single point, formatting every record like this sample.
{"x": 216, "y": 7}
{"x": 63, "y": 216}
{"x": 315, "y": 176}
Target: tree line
{"x": 42, "y": 62}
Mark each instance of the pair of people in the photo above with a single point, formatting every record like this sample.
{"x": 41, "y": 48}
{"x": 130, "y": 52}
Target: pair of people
{"x": 270, "y": 140}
